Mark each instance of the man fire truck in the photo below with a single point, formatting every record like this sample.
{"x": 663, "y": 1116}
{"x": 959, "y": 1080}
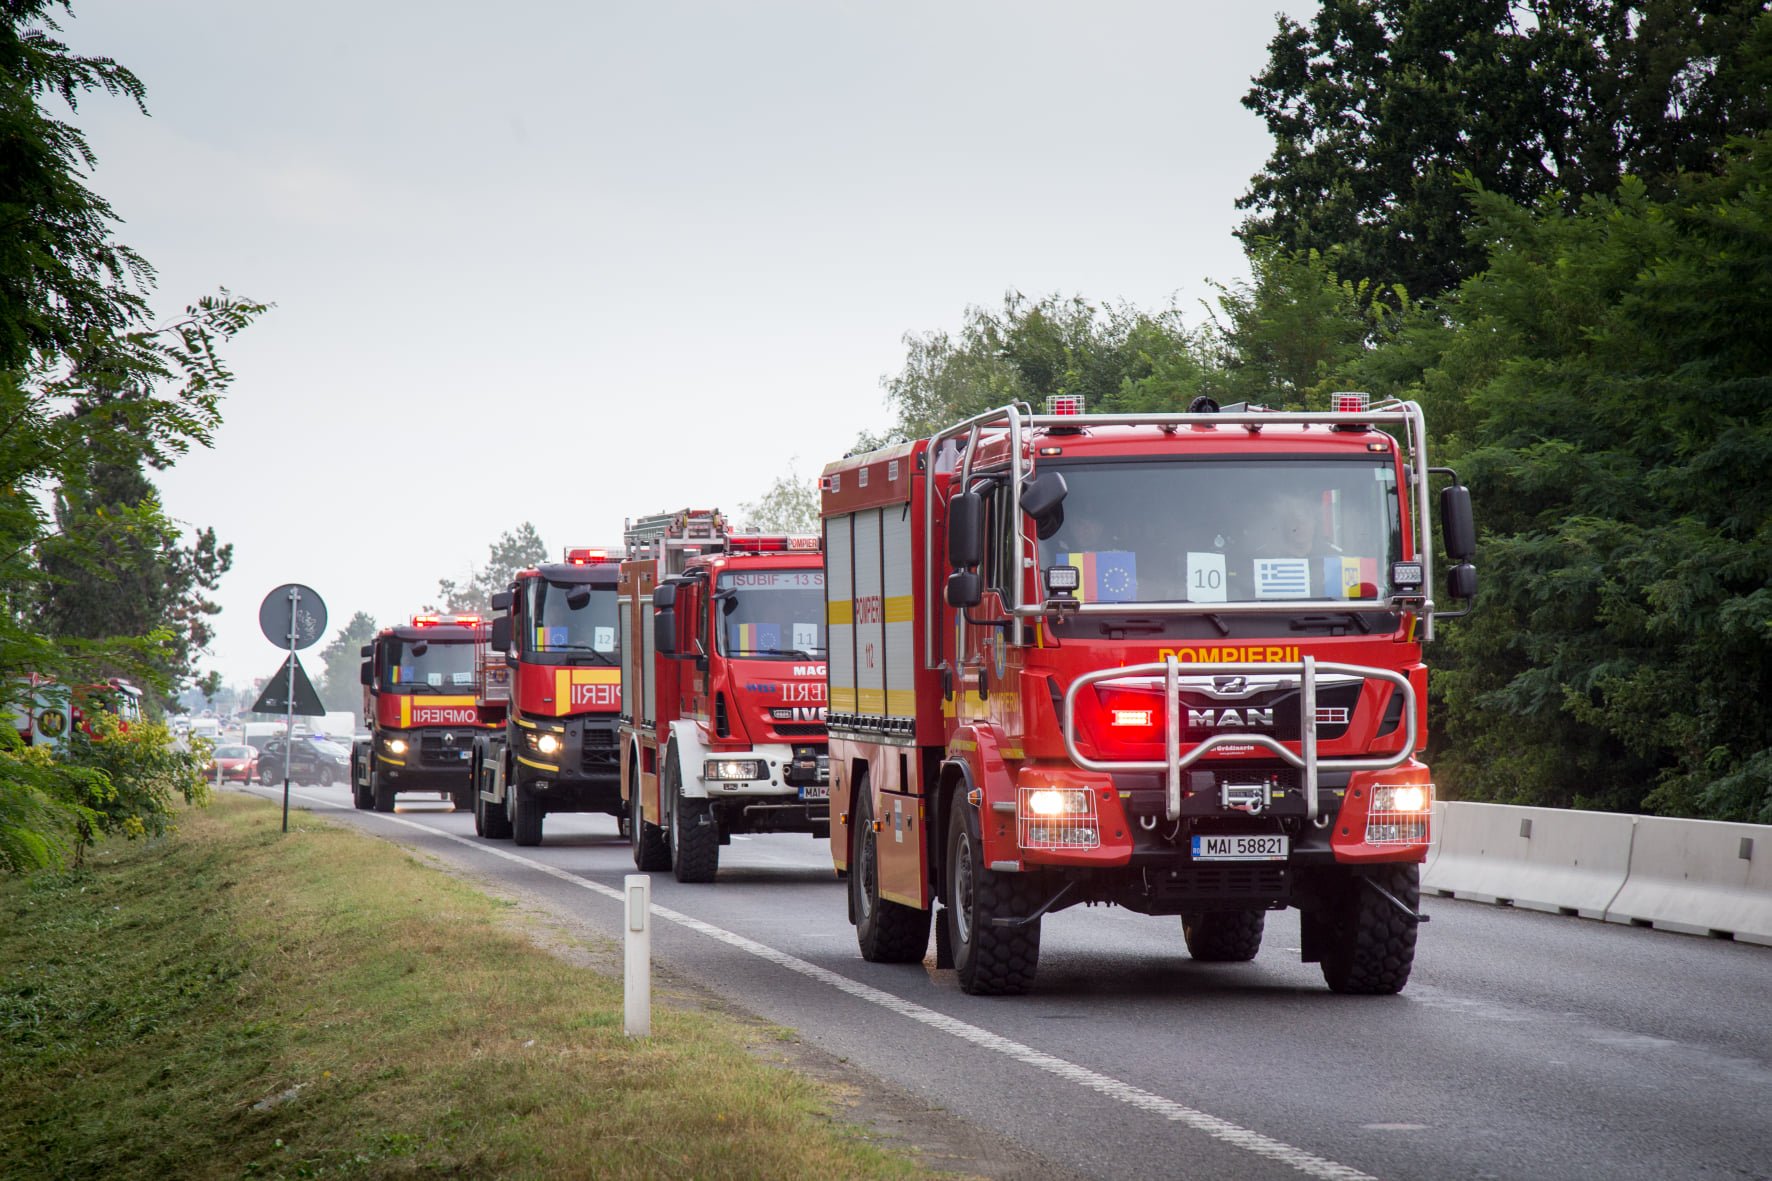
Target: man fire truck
{"x": 424, "y": 701}
{"x": 1167, "y": 662}
{"x": 556, "y": 753}
{"x": 723, "y": 689}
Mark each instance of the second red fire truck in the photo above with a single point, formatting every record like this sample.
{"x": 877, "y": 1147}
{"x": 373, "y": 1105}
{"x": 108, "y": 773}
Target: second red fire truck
{"x": 1166, "y": 662}
{"x": 723, "y": 689}
{"x": 557, "y": 637}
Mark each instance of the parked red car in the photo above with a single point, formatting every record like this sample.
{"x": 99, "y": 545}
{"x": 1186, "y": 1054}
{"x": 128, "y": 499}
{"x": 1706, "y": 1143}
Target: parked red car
{"x": 238, "y": 763}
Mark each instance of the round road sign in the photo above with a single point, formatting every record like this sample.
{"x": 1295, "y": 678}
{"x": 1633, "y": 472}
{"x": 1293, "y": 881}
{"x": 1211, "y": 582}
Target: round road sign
{"x": 293, "y": 606}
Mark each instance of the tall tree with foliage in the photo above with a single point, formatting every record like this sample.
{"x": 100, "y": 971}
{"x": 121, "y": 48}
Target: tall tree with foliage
{"x": 340, "y": 686}
{"x": 1380, "y": 108}
{"x": 1606, "y": 388}
{"x": 789, "y": 506}
{"x": 1117, "y": 357}
{"x": 92, "y": 392}
{"x": 517, "y": 549}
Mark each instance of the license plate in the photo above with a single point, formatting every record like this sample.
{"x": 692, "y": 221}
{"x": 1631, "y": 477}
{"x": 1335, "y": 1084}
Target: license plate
{"x": 1268, "y": 847}
{"x": 816, "y": 791}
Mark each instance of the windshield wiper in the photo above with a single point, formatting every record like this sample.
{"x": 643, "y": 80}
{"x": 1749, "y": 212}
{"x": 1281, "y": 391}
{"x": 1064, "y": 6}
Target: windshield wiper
{"x": 1339, "y": 619}
{"x": 803, "y": 653}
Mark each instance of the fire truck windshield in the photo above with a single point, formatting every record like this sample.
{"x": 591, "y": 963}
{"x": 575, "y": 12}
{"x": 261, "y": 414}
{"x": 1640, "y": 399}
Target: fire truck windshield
{"x": 428, "y": 666}
{"x": 570, "y": 623}
{"x": 1223, "y": 530}
{"x": 772, "y": 614}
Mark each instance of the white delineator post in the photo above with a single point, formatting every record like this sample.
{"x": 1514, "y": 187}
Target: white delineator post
{"x": 637, "y": 974}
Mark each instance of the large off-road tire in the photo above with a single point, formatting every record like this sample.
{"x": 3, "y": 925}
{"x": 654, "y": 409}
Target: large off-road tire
{"x": 495, "y": 822}
{"x": 990, "y": 960}
{"x": 1370, "y": 947}
{"x": 652, "y": 852}
{"x": 381, "y": 792}
{"x": 526, "y": 814}
{"x": 888, "y": 932}
{"x": 360, "y": 797}
{"x": 1223, "y": 936}
{"x": 474, "y": 783}
{"x": 694, "y": 840}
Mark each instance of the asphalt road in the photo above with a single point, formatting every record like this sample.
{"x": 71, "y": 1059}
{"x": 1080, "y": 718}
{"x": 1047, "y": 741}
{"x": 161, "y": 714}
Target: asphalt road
{"x": 1526, "y": 1045}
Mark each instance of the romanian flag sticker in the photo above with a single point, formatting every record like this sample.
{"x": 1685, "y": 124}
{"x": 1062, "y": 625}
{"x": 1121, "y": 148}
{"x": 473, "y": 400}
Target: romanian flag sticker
{"x": 1350, "y": 578}
{"x": 1106, "y": 576}
{"x": 552, "y": 637}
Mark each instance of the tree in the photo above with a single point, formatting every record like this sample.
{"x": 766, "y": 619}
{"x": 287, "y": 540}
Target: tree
{"x": 517, "y": 549}
{"x": 91, "y": 393}
{"x": 1606, "y": 388}
{"x": 1382, "y": 109}
{"x": 340, "y": 685}
{"x": 789, "y": 506}
{"x": 1117, "y": 357}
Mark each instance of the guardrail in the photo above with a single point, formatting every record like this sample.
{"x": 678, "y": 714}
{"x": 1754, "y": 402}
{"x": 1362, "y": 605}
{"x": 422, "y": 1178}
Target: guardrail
{"x": 1699, "y": 877}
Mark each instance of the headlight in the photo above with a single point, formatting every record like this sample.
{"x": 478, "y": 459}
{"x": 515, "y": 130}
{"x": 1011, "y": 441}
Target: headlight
{"x": 547, "y": 744}
{"x": 1052, "y": 801}
{"x": 1406, "y": 797}
{"x": 730, "y": 769}
{"x": 397, "y": 746}
{"x": 1056, "y": 818}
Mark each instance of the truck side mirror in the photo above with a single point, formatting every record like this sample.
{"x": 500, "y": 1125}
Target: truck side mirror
{"x": 1042, "y": 498}
{"x": 965, "y": 530}
{"x": 366, "y": 651}
{"x": 363, "y": 673}
{"x": 501, "y": 634}
{"x": 664, "y": 631}
{"x": 1457, "y": 525}
{"x": 501, "y": 600}
{"x": 965, "y": 588}
{"x": 665, "y": 596}
{"x": 1461, "y": 581}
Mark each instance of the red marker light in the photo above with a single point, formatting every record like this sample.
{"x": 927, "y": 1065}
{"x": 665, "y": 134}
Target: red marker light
{"x": 1064, "y": 404}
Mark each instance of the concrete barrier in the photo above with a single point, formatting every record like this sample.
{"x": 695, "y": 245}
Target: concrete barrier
{"x": 1701, "y": 877}
{"x": 1546, "y": 859}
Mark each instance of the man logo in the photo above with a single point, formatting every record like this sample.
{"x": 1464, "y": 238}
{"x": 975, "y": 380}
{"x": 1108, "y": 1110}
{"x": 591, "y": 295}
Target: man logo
{"x": 1229, "y": 719}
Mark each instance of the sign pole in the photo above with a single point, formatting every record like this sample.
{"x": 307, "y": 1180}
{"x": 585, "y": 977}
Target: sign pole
{"x": 289, "y": 710}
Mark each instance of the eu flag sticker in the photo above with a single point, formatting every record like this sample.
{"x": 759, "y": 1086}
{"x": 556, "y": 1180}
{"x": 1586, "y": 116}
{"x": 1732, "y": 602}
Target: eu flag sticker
{"x": 558, "y": 637}
{"x": 1116, "y": 576}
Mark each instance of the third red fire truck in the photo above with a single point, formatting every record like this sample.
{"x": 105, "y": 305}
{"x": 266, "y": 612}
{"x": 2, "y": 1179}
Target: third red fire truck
{"x": 723, "y": 689}
{"x": 556, "y": 635}
{"x": 1166, "y": 662}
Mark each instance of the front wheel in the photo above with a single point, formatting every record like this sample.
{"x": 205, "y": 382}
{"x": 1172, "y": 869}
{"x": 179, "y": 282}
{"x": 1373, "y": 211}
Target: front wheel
{"x": 1371, "y": 945}
{"x": 694, "y": 841}
{"x": 494, "y": 821}
{"x": 652, "y": 852}
{"x": 325, "y": 776}
{"x": 526, "y": 814}
{"x": 381, "y": 792}
{"x": 888, "y": 932}
{"x": 991, "y": 960}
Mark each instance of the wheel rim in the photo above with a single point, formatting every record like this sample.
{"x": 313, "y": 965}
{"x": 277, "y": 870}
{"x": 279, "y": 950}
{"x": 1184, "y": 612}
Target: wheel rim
{"x": 963, "y": 888}
{"x": 867, "y": 881}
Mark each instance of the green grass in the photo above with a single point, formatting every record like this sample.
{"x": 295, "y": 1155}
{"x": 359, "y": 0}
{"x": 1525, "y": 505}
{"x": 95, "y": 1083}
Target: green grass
{"x": 233, "y": 1002}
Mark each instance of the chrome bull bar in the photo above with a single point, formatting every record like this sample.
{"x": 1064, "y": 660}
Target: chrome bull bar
{"x": 1175, "y": 762}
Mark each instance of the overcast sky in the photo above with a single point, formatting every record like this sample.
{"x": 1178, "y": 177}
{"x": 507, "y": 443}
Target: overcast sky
{"x": 572, "y": 262}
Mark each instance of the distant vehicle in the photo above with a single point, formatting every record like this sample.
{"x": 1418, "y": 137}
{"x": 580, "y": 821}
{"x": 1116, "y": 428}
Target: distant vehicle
{"x": 236, "y": 763}
{"x": 311, "y": 760}
{"x": 256, "y": 734}
{"x": 208, "y": 728}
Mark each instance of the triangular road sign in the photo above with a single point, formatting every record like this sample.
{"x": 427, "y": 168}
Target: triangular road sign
{"x": 275, "y": 698}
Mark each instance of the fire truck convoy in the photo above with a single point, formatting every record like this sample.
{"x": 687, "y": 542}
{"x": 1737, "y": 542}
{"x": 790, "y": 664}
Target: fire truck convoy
{"x": 424, "y": 701}
{"x": 48, "y": 712}
{"x": 555, "y": 637}
{"x": 1171, "y": 662}
{"x": 723, "y": 689}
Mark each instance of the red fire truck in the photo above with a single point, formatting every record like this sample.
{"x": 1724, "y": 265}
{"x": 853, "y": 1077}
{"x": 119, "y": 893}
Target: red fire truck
{"x": 424, "y": 701}
{"x": 47, "y": 712}
{"x": 723, "y": 689}
{"x": 1170, "y": 662}
{"x": 557, "y": 637}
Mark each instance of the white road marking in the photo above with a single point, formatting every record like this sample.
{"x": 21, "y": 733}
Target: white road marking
{"x": 1219, "y": 1129}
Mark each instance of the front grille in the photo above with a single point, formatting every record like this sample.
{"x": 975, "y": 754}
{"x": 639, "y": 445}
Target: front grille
{"x": 1216, "y": 882}
{"x": 599, "y": 750}
{"x": 434, "y": 752}
{"x": 799, "y": 730}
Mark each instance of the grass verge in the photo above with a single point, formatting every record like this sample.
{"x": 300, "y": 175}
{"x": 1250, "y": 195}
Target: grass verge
{"x": 233, "y": 1002}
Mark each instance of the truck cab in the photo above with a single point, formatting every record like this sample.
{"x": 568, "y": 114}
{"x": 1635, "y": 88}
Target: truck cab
{"x": 556, "y": 636}
{"x": 723, "y": 689}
